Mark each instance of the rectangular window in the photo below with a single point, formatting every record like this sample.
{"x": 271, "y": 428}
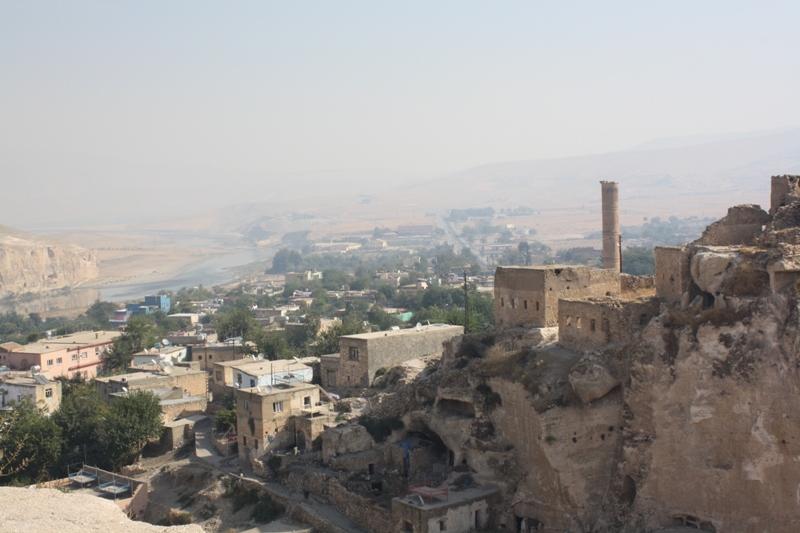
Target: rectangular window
{"x": 277, "y": 407}
{"x": 443, "y": 525}
{"x": 246, "y": 405}
{"x": 83, "y": 355}
{"x": 244, "y": 441}
{"x": 252, "y": 382}
{"x": 74, "y": 357}
{"x": 210, "y": 357}
{"x": 59, "y": 360}
{"x": 502, "y": 302}
{"x": 49, "y": 362}
{"x": 239, "y": 379}
{"x": 526, "y": 304}
{"x": 353, "y": 353}
{"x": 537, "y": 306}
{"x": 96, "y": 350}
{"x": 48, "y": 393}
{"x": 219, "y": 375}
{"x": 592, "y": 325}
{"x": 85, "y": 375}
{"x": 513, "y": 301}
{"x": 307, "y": 401}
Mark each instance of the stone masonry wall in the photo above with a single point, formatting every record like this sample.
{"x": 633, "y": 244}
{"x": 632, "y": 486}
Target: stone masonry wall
{"x": 588, "y": 325}
{"x": 528, "y": 296}
{"x": 672, "y": 272}
{"x": 387, "y": 348}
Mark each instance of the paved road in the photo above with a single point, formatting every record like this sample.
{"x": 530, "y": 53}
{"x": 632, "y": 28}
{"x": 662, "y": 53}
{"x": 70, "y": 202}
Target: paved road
{"x": 231, "y": 465}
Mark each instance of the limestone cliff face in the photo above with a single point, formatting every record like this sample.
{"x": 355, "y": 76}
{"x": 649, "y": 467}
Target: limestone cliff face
{"x": 694, "y": 424}
{"x": 32, "y": 264}
{"x": 713, "y": 436}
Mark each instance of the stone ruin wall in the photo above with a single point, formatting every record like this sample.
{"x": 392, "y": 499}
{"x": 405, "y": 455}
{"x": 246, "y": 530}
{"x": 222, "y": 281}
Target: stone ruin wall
{"x": 528, "y": 297}
{"x": 672, "y": 277}
{"x": 589, "y": 325}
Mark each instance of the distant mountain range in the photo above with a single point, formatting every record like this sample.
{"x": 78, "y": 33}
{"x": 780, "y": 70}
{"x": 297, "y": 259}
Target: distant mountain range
{"x": 661, "y": 177}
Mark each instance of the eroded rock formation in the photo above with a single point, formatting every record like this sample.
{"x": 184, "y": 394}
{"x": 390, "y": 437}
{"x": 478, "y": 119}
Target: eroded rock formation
{"x": 32, "y": 264}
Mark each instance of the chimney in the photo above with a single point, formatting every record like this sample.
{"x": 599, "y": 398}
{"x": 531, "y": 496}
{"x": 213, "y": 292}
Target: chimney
{"x": 611, "y": 237}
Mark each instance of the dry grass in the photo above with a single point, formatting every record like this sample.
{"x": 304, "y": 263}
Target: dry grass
{"x": 746, "y": 281}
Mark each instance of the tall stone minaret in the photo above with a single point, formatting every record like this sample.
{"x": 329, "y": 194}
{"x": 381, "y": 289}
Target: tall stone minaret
{"x": 611, "y": 242}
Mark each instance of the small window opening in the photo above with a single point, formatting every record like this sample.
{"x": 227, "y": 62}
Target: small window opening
{"x": 592, "y": 325}
{"x": 537, "y": 306}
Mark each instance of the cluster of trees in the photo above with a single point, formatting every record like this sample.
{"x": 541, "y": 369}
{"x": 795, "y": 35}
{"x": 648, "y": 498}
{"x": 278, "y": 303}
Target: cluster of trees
{"x": 526, "y": 254}
{"x": 671, "y": 232}
{"x": 460, "y": 215}
{"x": 36, "y": 447}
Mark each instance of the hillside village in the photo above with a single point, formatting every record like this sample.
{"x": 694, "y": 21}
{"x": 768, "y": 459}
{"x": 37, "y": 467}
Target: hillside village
{"x": 592, "y": 401}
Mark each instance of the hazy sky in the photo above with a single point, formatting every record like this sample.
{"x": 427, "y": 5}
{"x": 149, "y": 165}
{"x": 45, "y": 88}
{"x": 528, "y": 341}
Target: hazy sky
{"x": 413, "y": 88}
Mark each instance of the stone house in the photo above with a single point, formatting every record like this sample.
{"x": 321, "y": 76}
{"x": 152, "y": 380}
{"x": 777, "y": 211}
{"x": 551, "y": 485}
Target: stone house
{"x": 528, "y": 297}
{"x": 265, "y": 417}
{"x": 16, "y": 386}
{"x": 588, "y": 325}
{"x": 360, "y": 356}
{"x": 247, "y": 373}
{"x": 431, "y": 509}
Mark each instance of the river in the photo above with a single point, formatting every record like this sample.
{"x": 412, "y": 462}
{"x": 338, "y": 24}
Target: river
{"x": 213, "y": 271}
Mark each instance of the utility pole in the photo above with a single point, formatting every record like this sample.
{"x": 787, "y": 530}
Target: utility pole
{"x": 466, "y": 304}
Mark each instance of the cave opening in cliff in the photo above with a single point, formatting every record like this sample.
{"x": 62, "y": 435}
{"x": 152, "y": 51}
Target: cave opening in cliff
{"x": 628, "y": 490}
{"x": 456, "y": 408}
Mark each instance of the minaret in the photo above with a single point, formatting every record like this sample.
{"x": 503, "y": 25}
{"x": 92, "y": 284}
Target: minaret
{"x": 611, "y": 238}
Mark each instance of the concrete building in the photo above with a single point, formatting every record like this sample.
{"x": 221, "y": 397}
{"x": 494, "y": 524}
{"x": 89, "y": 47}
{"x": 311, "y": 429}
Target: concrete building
{"x": 68, "y": 355}
{"x": 17, "y": 386}
{"x": 528, "y": 296}
{"x": 249, "y": 372}
{"x": 265, "y": 416}
{"x": 302, "y": 277}
{"x": 171, "y": 355}
{"x": 360, "y": 356}
{"x": 150, "y": 305}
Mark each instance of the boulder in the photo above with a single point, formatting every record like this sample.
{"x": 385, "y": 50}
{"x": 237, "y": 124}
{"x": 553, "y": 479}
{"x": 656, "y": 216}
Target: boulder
{"x": 592, "y": 380}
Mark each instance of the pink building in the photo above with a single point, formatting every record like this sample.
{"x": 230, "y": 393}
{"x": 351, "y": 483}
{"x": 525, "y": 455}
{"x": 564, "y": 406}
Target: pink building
{"x": 68, "y": 355}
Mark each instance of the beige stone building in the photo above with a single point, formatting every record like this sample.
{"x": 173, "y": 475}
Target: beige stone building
{"x": 17, "y": 386}
{"x": 360, "y": 356}
{"x": 266, "y": 417}
{"x": 528, "y": 297}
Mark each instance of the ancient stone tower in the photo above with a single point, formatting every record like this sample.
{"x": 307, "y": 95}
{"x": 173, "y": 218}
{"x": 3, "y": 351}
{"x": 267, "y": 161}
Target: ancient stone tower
{"x": 611, "y": 244}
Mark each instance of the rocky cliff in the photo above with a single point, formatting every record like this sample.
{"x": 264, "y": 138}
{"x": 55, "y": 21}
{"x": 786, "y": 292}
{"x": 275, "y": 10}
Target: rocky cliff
{"x": 33, "y": 264}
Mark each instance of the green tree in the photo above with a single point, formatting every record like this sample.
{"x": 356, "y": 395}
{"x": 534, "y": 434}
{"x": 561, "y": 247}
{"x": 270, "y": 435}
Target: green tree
{"x": 140, "y": 333}
{"x": 329, "y": 339}
{"x": 286, "y": 260}
{"x": 638, "y": 261}
{"x": 33, "y": 441}
{"x": 381, "y": 319}
{"x": 239, "y": 322}
{"x": 132, "y": 421}
{"x": 101, "y": 312}
{"x": 272, "y": 344}
{"x": 81, "y": 416}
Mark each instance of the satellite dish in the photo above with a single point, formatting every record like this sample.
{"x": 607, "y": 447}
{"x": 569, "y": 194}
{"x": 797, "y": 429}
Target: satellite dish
{"x": 124, "y": 389}
{"x": 295, "y": 358}
{"x": 164, "y": 342}
{"x": 260, "y": 356}
{"x": 236, "y": 385}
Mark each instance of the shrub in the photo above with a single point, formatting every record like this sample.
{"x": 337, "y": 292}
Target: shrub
{"x": 381, "y": 371}
{"x": 177, "y": 518}
{"x": 224, "y": 420}
{"x": 380, "y": 428}
{"x": 274, "y": 462}
{"x": 266, "y": 510}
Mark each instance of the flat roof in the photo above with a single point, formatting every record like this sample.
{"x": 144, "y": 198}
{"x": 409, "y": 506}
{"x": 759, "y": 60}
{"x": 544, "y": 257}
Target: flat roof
{"x": 260, "y": 368}
{"x": 73, "y": 340}
{"x": 279, "y": 389}
{"x": 455, "y": 497}
{"x": 403, "y": 332}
